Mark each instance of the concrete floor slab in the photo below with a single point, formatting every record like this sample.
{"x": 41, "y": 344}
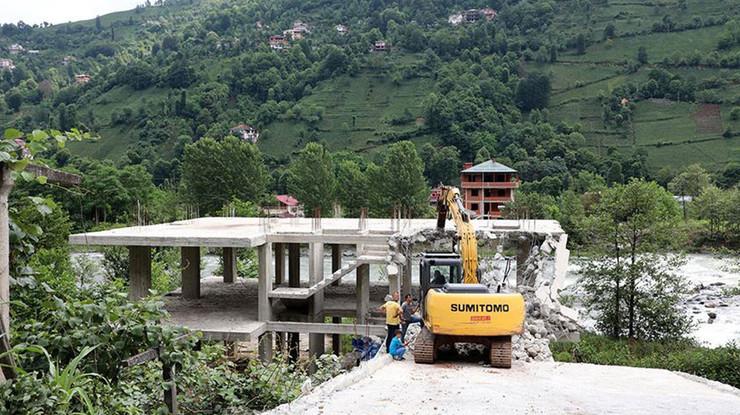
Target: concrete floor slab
{"x": 228, "y": 311}
{"x": 220, "y": 232}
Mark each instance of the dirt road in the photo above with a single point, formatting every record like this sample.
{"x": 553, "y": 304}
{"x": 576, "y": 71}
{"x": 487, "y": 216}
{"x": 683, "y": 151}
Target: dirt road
{"x": 532, "y": 388}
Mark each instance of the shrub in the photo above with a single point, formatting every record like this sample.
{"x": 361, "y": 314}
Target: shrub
{"x": 735, "y": 114}
{"x": 721, "y": 364}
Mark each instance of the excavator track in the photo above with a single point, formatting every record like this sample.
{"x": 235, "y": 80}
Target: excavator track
{"x": 424, "y": 347}
{"x": 500, "y": 354}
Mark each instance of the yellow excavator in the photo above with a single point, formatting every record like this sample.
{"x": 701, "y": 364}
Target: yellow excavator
{"x": 456, "y": 308}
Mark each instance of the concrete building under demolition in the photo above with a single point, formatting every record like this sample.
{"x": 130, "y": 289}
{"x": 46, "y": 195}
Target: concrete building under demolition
{"x": 288, "y": 299}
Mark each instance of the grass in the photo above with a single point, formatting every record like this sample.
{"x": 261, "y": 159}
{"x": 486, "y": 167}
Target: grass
{"x": 658, "y": 46}
{"x": 115, "y": 140}
{"x": 668, "y": 132}
{"x": 721, "y": 364}
{"x": 370, "y": 100}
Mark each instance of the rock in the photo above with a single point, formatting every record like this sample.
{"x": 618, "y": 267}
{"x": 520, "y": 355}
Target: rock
{"x": 712, "y": 315}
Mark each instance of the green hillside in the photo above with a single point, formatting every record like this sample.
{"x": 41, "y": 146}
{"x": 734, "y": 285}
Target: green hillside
{"x": 165, "y": 76}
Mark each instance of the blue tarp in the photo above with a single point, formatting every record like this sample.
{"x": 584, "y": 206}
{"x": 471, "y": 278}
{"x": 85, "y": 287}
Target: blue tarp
{"x": 366, "y": 347}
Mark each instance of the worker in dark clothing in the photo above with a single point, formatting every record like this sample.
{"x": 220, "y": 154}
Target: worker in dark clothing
{"x": 438, "y": 279}
{"x": 408, "y": 315}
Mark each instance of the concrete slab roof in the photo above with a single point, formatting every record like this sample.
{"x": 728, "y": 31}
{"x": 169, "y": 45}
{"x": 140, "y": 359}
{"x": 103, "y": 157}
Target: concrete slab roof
{"x": 252, "y": 232}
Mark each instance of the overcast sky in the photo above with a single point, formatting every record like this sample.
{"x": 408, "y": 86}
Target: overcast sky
{"x": 59, "y": 11}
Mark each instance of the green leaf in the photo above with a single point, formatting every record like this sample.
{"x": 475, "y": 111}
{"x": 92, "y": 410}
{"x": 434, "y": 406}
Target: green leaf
{"x": 19, "y": 165}
{"x": 36, "y": 147}
{"x": 27, "y": 176}
{"x": 5, "y": 156}
{"x": 12, "y": 134}
{"x": 39, "y": 135}
{"x": 41, "y": 179}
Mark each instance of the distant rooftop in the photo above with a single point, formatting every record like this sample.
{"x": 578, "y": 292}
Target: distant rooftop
{"x": 489, "y": 166}
{"x": 287, "y": 200}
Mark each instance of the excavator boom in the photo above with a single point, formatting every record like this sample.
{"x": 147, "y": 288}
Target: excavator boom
{"x": 451, "y": 204}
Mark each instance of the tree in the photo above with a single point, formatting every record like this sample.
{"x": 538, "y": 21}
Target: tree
{"x": 730, "y": 175}
{"x": 352, "y": 185}
{"x": 614, "y": 174}
{"x": 531, "y": 205}
{"x": 14, "y": 100}
{"x": 180, "y": 75}
{"x": 215, "y": 172}
{"x": 98, "y": 25}
{"x": 609, "y": 31}
{"x": 690, "y": 182}
{"x": 441, "y": 165}
{"x": 580, "y": 44}
{"x": 712, "y": 206}
{"x": 482, "y": 155}
{"x": 533, "y": 92}
{"x": 399, "y": 181}
{"x": 642, "y": 55}
{"x": 633, "y": 290}
{"x": 735, "y": 114}
{"x": 312, "y": 179}
{"x": 67, "y": 117}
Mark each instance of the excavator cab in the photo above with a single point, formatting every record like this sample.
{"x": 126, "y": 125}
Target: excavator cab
{"x": 439, "y": 268}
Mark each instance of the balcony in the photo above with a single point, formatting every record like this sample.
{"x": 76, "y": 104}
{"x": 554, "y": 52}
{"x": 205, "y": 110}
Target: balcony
{"x": 490, "y": 185}
{"x": 488, "y": 199}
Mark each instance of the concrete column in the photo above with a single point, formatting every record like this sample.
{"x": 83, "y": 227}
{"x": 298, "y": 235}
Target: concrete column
{"x": 336, "y": 264}
{"x": 294, "y": 280}
{"x": 294, "y": 347}
{"x": 230, "y": 271}
{"x": 336, "y": 339}
{"x": 190, "y": 265}
{"x": 6, "y": 185}
{"x": 522, "y": 253}
{"x": 294, "y": 265}
{"x": 363, "y": 293}
{"x": 316, "y": 302}
{"x": 139, "y": 272}
{"x": 336, "y": 261}
{"x": 406, "y": 285}
{"x": 279, "y": 263}
{"x": 264, "y": 308}
{"x": 394, "y": 282}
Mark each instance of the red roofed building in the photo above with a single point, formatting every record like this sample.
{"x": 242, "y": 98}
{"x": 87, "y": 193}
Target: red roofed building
{"x": 489, "y": 13}
{"x": 287, "y": 207}
{"x": 487, "y": 186}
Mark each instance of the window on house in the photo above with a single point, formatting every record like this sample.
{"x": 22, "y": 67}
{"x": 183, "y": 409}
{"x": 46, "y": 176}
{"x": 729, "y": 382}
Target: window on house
{"x": 474, "y": 207}
{"x": 474, "y": 192}
{"x": 501, "y": 192}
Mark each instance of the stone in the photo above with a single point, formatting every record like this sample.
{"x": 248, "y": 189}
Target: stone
{"x": 712, "y": 315}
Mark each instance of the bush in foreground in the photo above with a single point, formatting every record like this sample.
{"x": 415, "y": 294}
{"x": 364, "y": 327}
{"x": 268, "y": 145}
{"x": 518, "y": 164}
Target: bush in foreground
{"x": 721, "y": 364}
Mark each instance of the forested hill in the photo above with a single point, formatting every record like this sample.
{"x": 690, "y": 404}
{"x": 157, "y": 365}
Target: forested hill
{"x": 619, "y": 88}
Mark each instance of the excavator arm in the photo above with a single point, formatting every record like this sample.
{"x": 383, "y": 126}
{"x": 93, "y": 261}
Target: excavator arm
{"x": 450, "y": 203}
